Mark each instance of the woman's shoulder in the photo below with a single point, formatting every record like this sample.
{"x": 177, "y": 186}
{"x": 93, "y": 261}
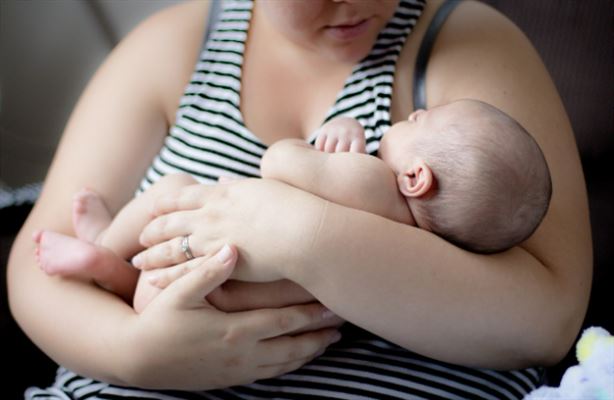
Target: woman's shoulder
{"x": 181, "y": 18}
{"x": 167, "y": 44}
{"x": 480, "y": 45}
{"x": 473, "y": 33}
{"x": 473, "y": 23}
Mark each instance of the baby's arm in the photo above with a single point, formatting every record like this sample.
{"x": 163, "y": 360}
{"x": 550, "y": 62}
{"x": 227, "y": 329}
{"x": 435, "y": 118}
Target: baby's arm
{"x": 353, "y": 180}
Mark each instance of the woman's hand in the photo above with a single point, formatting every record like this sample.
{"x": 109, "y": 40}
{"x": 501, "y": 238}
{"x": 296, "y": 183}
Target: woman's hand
{"x": 234, "y": 296}
{"x": 210, "y": 349}
{"x": 258, "y": 216}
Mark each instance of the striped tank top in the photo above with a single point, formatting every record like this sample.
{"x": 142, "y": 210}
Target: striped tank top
{"x": 209, "y": 140}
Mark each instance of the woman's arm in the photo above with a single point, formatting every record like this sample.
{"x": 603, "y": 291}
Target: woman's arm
{"x": 513, "y": 309}
{"x": 521, "y": 307}
{"x": 112, "y": 136}
{"x": 119, "y": 115}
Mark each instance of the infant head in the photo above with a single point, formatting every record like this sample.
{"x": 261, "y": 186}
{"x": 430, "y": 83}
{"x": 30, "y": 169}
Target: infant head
{"x": 471, "y": 174}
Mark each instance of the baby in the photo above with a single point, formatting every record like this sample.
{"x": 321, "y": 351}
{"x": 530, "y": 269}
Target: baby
{"x": 465, "y": 171}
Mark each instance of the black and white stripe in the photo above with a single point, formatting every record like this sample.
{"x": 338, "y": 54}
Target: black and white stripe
{"x": 209, "y": 140}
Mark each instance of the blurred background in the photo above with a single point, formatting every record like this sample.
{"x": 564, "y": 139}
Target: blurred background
{"x": 50, "y": 49}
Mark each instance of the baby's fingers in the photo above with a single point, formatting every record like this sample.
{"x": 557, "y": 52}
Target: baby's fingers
{"x": 358, "y": 146}
{"x": 330, "y": 145}
{"x": 343, "y": 146}
{"x": 320, "y": 141}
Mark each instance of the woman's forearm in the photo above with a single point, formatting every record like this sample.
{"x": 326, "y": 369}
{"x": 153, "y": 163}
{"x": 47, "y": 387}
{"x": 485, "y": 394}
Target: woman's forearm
{"x": 415, "y": 289}
{"x": 76, "y": 324}
{"x": 402, "y": 283}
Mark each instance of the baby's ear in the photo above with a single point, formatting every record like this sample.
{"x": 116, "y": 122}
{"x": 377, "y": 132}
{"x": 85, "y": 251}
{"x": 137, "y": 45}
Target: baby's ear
{"x": 417, "y": 180}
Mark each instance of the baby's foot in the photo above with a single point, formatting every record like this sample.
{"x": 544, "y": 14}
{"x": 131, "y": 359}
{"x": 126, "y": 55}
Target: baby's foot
{"x": 63, "y": 255}
{"x": 90, "y": 215}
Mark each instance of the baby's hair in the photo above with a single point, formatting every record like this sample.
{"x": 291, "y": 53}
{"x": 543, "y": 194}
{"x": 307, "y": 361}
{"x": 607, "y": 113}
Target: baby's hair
{"x": 493, "y": 185}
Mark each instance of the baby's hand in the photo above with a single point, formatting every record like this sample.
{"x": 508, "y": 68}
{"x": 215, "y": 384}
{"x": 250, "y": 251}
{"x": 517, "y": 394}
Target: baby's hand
{"x": 341, "y": 134}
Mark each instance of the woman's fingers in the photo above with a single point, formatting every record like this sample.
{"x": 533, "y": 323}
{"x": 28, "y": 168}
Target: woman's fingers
{"x": 270, "y": 323}
{"x": 167, "y": 227}
{"x": 190, "y": 197}
{"x": 190, "y": 290}
{"x": 293, "y": 348}
{"x": 288, "y": 353}
{"x": 237, "y": 296}
{"x": 163, "y": 277}
{"x": 163, "y": 255}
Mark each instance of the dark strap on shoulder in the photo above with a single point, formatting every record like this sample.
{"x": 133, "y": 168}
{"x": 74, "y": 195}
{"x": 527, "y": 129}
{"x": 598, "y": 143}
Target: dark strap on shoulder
{"x": 425, "y": 51}
{"x": 214, "y": 10}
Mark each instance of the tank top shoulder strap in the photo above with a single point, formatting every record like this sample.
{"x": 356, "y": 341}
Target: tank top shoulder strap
{"x": 424, "y": 52}
{"x": 214, "y": 10}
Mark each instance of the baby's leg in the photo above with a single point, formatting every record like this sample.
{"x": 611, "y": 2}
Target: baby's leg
{"x": 90, "y": 215}
{"x": 123, "y": 233}
{"x": 58, "y": 254}
{"x": 145, "y": 291}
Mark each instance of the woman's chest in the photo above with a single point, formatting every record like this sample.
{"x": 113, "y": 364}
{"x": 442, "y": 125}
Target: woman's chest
{"x": 277, "y": 103}
{"x": 280, "y": 102}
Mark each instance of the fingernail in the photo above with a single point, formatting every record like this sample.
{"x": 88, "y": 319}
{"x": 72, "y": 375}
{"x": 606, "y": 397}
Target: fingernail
{"x": 327, "y": 314}
{"x": 137, "y": 261}
{"x": 224, "y": 255}
{"x": 335, "y": 337}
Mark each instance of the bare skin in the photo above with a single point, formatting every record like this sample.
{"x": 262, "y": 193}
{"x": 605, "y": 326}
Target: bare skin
{"x": 112, "y": 121}
{"x": 545, "y": 282}
{"x": 84, "y": 256}
{"x": 104, "y": 246}
{"x": 554, "y": 263}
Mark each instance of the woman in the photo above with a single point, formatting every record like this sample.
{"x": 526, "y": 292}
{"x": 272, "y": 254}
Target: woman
{"x": 428, "y": 297}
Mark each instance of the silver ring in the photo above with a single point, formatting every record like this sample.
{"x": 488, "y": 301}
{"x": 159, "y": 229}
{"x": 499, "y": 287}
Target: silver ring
{"x": 185, "y": 247}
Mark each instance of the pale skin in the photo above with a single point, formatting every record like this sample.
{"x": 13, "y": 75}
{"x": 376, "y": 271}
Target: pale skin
{"x": 539, "y": 287}
{"x": 104, "y": 244}
{"x": 364, "y": 182}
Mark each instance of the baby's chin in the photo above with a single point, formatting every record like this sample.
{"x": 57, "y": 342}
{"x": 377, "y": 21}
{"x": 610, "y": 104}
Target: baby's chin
{"x": 388, "y": 157}
{"x": 390, "y": 147}
{"x": 384, "y": 150}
